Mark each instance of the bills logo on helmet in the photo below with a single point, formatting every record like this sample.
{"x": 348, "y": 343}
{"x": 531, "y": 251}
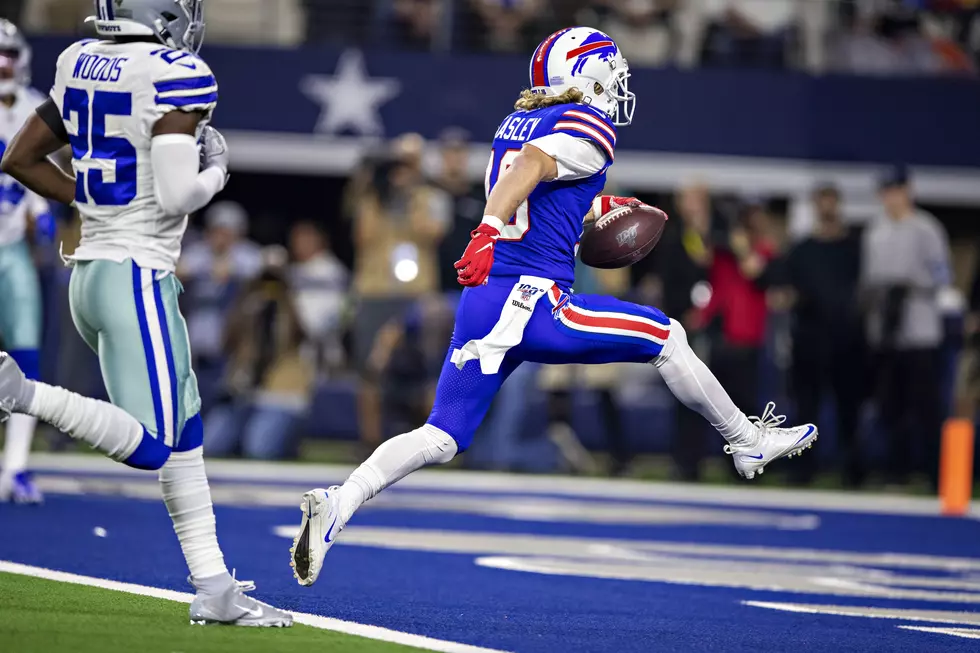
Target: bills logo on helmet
{"x": 596, "y": 45}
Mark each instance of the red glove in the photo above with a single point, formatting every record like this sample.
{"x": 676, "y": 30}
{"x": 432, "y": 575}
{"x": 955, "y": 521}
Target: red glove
{"x": 603, "y": 204}
{"x": 473, "y": 268}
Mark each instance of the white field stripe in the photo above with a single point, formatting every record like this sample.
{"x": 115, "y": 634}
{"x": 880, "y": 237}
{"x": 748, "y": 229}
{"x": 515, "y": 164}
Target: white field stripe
{"x": 313, "y": 620}
{"x": 524, "y": 484}
{"x": 966, "y": 633}
{"x": 901, "y": 614}
{"x": 581, "y": 115}
{"x": 159, "y": 356}
{"x": 585, "y": 129}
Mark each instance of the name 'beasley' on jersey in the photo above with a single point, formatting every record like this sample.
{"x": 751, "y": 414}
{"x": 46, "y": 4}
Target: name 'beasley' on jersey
{"x": 111, "y": 95}
{"x": 577, "y": 98}
{"x": 542, "y": 236}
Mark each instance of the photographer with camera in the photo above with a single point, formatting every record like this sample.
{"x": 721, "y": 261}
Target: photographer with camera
{"x": 399, "y": 221}
{"x": 267, "y": 380}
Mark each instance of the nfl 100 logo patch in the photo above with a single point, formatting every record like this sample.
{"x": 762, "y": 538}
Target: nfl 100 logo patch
{"x": 627, "y": 237}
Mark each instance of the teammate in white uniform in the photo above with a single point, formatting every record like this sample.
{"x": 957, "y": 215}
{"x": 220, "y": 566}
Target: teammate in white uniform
{"x": 20, "y": 292}
{"x": 134, "y": 109}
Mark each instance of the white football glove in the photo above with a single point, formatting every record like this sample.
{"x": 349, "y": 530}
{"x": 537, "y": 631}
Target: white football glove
{"x": 214, "y": 149}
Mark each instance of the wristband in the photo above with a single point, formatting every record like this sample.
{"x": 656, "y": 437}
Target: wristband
{"x": 494, "y": 222}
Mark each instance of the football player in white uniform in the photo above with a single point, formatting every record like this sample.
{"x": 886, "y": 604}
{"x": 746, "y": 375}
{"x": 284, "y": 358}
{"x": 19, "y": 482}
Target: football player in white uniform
{"x": 20, "y": 329}
{"x": 134, "y": 108}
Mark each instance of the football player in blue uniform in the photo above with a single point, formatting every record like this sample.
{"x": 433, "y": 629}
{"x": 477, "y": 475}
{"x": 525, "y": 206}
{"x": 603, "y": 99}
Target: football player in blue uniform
{"x": 547, "y": 169}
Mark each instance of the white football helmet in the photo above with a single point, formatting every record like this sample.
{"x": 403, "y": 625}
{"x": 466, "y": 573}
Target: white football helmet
{"x": 589, "y": 60}
{"x": 15, "y": 59}
{"x": 178, "y": 24}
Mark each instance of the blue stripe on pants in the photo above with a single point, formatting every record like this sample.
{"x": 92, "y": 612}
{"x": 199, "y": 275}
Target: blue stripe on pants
{"x": 171, "y": 367}
{"x": 148, "y": 352}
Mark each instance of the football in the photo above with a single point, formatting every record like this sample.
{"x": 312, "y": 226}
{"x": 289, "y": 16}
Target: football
{"x": 622, "y": 236}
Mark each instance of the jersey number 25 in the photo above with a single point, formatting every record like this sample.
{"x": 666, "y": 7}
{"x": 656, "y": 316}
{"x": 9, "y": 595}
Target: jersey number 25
{"x": 519, "y": 223}
{"x": 92, "y": 149}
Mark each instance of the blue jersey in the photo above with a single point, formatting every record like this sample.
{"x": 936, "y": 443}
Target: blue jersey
{"x": 542, "y": 237}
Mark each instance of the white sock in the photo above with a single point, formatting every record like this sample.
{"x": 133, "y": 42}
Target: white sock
{"x": 393, "y": 461}
{"x": 105, "y": 427}
{"x": 184, "y": 485}
{"x": 20, "y": 432}
{"x": 697, "y": 388}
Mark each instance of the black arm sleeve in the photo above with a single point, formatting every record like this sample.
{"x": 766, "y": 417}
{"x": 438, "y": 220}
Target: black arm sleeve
{"x": 48, "y": 112}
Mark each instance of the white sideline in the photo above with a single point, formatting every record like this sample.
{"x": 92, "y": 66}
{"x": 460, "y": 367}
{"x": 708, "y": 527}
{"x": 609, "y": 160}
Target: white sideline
{"x": 316, "y": 621}
{"x": 743, "y": 495}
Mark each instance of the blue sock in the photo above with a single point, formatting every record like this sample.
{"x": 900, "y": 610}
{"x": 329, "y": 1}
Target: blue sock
{"x": 29, "y": 361}
{"x": 150, "y": 454}
{"x": 192, "y": 436}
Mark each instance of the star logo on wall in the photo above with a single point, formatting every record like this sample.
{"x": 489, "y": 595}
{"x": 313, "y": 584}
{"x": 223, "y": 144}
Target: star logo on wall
{"x": 350, "y": 98}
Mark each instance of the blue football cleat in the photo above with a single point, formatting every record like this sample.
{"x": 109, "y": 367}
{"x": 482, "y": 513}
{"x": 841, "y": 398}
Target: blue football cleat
{"x": 19, "y": 488}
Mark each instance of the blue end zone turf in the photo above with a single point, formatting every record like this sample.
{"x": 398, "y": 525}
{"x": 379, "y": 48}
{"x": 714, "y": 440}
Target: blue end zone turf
{"x": 545, "y": 571}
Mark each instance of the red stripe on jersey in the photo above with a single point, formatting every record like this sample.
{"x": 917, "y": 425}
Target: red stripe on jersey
{"x": 590, "y": 131}
{"x": 588, "y": 48}
{"x": 594, "y": 120}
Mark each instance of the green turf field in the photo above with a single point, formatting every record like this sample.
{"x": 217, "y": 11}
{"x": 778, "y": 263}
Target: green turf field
{"x": 44, "y": 616}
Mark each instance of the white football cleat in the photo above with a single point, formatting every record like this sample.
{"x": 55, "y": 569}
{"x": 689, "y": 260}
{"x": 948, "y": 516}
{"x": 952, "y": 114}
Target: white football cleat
{"x": 773, "y": 443}
{"x": 317, "y": 533}
{"x": 234, "y": 607}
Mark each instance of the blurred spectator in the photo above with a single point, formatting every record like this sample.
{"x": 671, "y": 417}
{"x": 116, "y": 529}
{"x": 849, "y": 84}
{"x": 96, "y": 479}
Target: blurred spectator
{"x": 405, "y": 363}
{"x": 510, "y": 25}
{"x": 886, "y": 43}
{"x": 214, "y": 271}
{"x": 641, "y": 28}
{"x": 399, "y": 223}
{"x": 468, "y": 200}
{"x": 504, "y": 441}
{"x": 745, "y": 33}
{"x": 55, "y": 16}
{"x": 737, "y": 312}
{"x": 255, "y": 22}
{"x": 337, "y": 21}
{"x": 967, "y": 391}
{"x": 905, "y": 263}
{"x": 281, "y": 22}
{"x": 562, "y": 381}
{"x": 267, "y": 382}
{"x": 677, "y": 282}
{"x": 828, "y": 340}
{"x": 319, "y": 282}
{"x": 415, "y": 24}
{"x": 11, "y": 10}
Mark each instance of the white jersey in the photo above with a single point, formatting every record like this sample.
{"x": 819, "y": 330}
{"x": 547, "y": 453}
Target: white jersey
{"x": 110, "y": 96}
{"x": 16, "y": 202}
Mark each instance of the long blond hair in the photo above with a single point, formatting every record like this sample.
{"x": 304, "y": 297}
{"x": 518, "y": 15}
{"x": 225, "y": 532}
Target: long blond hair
{"x": 530, "y": 101}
